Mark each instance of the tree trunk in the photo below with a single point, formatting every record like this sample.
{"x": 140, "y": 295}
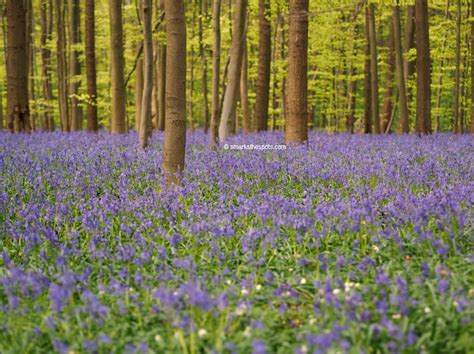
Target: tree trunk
{"x": 1, "y": 108}
{"x": 296, "y": 131}
{"x": 117, "y": 67}
{"x": 62, "y": 67}
{"x": 46, "y": 35}
{"x": 216, "y": 63}
{"x": 17, "y": 68}
{"x": 202, "y": 54}
{"x": 264, "y": 62}
{"x": 175, "y": 133}
{"x": 409, "y": 43}
{"x": 138, "y": 93}
{"x": 161, "y": 80}
{"x": 387, "y": 104}
{"x": 244, "y": 92}
{"x": 227, "y": 123}
{"x": 471, "y": 130}
{"x": 402, "y": 90}
{"x": 92, "y": 120}
{"x": 374, "y": 73}
{"x": 31, "y": 60}
{"x": 457, "y": 127}
{"x": 145, "y": 119}
{"x": 74, "y": 63}
{"x": 275, "y": 71}
{"x": 423, "y": 69}
{"x": 367, "y": 78}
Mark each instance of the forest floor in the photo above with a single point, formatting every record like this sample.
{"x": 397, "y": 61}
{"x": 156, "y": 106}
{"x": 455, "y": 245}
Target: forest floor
{"x": 350, "y": 244}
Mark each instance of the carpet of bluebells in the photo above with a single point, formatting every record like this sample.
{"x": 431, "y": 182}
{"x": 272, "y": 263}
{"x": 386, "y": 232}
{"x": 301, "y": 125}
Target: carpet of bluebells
{"x": 350, "y": 244}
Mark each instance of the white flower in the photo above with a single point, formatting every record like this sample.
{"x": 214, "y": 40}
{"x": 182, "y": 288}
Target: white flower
{"x": 336, "y": 291}
{"x": 247, "y": 332}
{"x": 244, "y": 292}
{"x": 241, "y": 309}
{"x": 396, "y": 316}
{"x": 158, "y": 338}
{"x": 304, "y": 348}
{"x": 303, "y": 281}
{"x": 228, "y": 281}
{"x": 427, "y": 309}
{"x": 375, "y": 248}
{"x": 258, "y": 287}
{"x": 202, "y": 332}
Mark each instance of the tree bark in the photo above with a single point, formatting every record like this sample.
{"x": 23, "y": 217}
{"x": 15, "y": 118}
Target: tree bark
{"x": 145, "y": 119}
{"x": 387, "y": 104}
{"x": 62, "y": 67}
{"x": 46, "y": 35}
{"x": 17, "y": 68}
{"x": 409, "y": 43}
{"x": 175, "y": 132}
{"x": 296, "y": 131}
{"x": 402, "y": 90}
{"x": 374, "y": 73}
{"x": 138, "y": 93}
{"x": 118, "y": 125}
{"x": 161, "y": 80}
{"x": 367, "y": 78}
{"x": 264, "y": 62}
{"x": 31, "y": 61}
{"x": 227, "y": 123}
{"x": 457, "y": 127}
{"x": 74, "y": 63}
{"x": 244, "y": 92}
{"x": 216, "y": 63}
{"x": 471, "y": 130}
{"x": 203, "y": 56}
{"x": 92, "y": 120}
{"x": 423, "y": 69}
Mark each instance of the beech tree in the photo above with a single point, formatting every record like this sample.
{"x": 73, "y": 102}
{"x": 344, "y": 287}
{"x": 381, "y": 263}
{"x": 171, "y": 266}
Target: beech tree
{"x": 216, "y": 63}
{"x": 175, "y": 131}
{"x": 297, "y": 91}
{"x": 92, "y": 120}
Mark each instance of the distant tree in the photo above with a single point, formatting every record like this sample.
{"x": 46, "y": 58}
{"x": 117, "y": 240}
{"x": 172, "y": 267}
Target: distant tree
{"x": 423, "y": 69}
{"x": 297, "y": 91}
{"x": 264, "y": 61}
{"x": 202, "y": 53}
{"x": 216, "y": 63}
{"x": 374, "y": 72}
{"x": 74, "y": 63}
{"x": 471, "y": 130}
{"x": 62, "y": 67}
{"x": 46, "y": 13}
{"x": 17, "y": 68}
{"x": 244, "y": 91}
{"x": 389, "y": 83}
{"x": 175, "y": 132}
{"x": 145, "y": 119}
{"x": 92, "y": 120}
{"x": 118, "y": 125}
{"x": 367, "y": 77}
{"x": 457, "y": 126}
{"x": 161, "y": 78}
{"x": 227, "y": 123}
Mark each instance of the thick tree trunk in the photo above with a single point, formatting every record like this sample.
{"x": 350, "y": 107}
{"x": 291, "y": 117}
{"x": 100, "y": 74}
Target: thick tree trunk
{"x": 145, "y": 119}
{"x": 175, "y": 133}
{"x": 74, "y": 63}
{"x": 46, "y": 35}
{"x": 296, "y": 131}
{"x": 423, "y": 69}
{"x": 138, "y": 93}
{"x": 367, "y": 78}
{"x": 203, "y": 56}
{"x": 402, "y": 90}
{"x": 118, "y": 125}
{"x": 388, "y": 104}
{"x": 457, "y": 127}
{"x": 227, "y": 123}
{"x": 62, "y": 67}
{"x": 264, "y": 62}
{"x": 17, "y": 68}
{"x": 275, "y": 71}
{"x": 161, "y": 80}
{"x": 216, "y": 63}
{"x": 92, "y": 120}
{"x": 31, "y": 61}
{"x": 244, "y": 92}
{"x": 374, "y": 72}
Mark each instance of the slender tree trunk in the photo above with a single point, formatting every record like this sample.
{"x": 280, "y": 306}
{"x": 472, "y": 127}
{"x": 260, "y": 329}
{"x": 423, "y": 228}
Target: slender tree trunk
{"x": 216, "y": 63}
{"x": 244, "y": 97}
{"x": 296, "y": 131}
{"x": 283, "y": 55}
{"x": 352, "y": 81}
{"x": 423, "y": 69}
{"x": 229, "y": 107}
{"x": 367, "y": 79}
{"x": 138, "y": 93}
{"x": 175, "y": 133}
{"x": 409, "y": 43}
{"x": 388, "y": 105}
{"x": 92, "y": 120}
{"x": 74, "y": 63}
{"x": 264, "y": 62}
{"x": 161, "y": 80}
{"x": 374, "y": 73}
{"x": 402, "y": 90}
{"x": 203, "y": 56}
{"x": 62, "y": 67}
{"x": 471, "y": 130}
{"x": 46, "y": 35}
{"x": 1, "y": 108}
{"x": 117, "y": 68}
{"x": 17, "y": 67}
{"x": 31, "y": 61}
{"x": 275, "y": 71}
{"x": 457, "y": 128}
{"x": 145, "y": 119}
